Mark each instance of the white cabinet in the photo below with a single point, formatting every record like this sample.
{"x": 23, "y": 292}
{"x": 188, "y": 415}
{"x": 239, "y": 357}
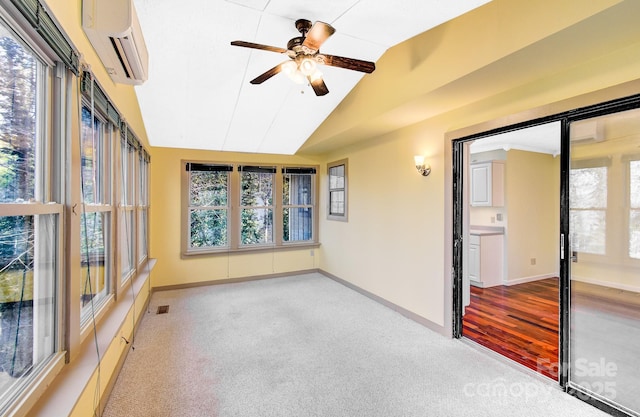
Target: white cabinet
{"x": 486, "y": 259}
{"x": 487, "y": 184}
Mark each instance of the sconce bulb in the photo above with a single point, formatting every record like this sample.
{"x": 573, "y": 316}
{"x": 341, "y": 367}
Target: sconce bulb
{"x": 423, "y": 169}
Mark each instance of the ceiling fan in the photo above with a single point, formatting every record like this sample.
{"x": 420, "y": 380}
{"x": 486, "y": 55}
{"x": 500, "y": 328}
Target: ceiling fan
{"x": 304, "y": 57}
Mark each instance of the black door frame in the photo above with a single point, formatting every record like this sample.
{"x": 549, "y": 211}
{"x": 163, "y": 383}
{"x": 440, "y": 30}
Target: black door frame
{"x": 565, "y": 118}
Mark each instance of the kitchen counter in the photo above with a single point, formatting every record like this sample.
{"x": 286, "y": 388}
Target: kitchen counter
{"x": 486, "y": 230}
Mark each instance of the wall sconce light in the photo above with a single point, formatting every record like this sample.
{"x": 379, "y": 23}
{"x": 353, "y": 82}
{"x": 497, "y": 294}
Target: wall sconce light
{"x": 423, "y": 169}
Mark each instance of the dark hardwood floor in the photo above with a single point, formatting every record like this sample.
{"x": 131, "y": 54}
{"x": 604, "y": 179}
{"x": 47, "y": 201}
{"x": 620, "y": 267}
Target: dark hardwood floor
{"x": 518, "y": 321}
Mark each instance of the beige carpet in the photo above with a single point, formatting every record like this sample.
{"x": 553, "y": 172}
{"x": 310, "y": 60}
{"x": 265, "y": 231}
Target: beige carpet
{"x": 308, "y": 346}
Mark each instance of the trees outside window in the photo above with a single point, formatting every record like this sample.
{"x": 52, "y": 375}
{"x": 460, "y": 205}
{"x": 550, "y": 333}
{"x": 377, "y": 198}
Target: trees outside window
{"x": 230, "y": 207}
{"x": 29, "y": 229}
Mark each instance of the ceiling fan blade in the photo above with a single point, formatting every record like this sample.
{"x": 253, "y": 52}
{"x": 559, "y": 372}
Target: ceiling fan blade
{"x": 266, "y": 75}
{"x": 316, "y": 36}
{"x": 259, "y": 46}
{"x": 349, "y": 63}
{"x": 318, "y": 85}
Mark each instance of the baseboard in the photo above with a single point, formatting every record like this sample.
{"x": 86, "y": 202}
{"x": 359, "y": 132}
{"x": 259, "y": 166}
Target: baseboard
{"x": 617, "y": 286}
{"x": 530, "y": 279}
{"x": 231, "y": 280}
{"x": 408, "y": 314}
{"x": 403, "y": 311}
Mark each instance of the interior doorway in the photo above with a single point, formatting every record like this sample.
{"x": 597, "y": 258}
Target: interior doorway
{"x": 511, "y": 223}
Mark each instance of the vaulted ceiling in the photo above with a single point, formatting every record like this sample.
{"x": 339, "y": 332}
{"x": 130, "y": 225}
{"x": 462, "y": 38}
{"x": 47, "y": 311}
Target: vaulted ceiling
{"x": 198, "y": 94}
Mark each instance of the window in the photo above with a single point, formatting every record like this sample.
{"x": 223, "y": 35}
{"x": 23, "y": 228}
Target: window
{"x": 95, "y": 221}
{"x": 30, "y": 219}
{"x": 337, "y": 172}
{"x": 208, "y": 205}
{"x": 127, "y": 203}
{"x": 297, "y": 204}
{"x": 229, "y": 207}
{"x": 634, "y": 209}
{"x": 256, "y": 204}
{"x": 143, "y": 205}
{"x": 588, "y": 206}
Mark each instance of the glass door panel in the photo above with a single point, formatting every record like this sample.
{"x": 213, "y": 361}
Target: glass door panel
{"x": 604, "y": 223}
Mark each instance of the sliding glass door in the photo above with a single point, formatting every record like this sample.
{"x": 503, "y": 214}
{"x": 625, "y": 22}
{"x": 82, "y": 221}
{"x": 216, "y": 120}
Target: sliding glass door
{"x": 604, "y": 267}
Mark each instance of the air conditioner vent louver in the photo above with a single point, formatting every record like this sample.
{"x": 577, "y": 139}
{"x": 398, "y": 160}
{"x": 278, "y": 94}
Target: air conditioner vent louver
{"x": 113, "y": 29}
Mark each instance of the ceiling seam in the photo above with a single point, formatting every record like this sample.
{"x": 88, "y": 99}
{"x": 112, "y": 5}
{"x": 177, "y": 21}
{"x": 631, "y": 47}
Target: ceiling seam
{"x": 266, "y": 133}
{"x": 242, "y": 83}
{"x": 345, "y": 12}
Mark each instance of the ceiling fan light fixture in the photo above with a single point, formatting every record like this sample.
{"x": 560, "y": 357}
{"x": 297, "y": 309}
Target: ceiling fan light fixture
{"x": 315, "y": 76}
{"x": 298, "y": 77}
{"x": 289, "y": 68}
{"x": 307, "y": 66}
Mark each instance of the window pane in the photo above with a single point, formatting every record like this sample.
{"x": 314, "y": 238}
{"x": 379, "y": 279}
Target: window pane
{"x": 18, "y": 120}
{"x": 336, "y": 176}
{"x": 142, "y": 235}
{"x": 93, "y": 241}
{"x": 298, "y": 224}
{"x": 634, "y": 234}
{"x": 257, "y": 189}
{"x": 634, "y": 184}
{"x": 208, "y": 228}
{"x": 209, "y": 188}
{"x": 296, "y": 189}
{"x": 27, "y": 295}
{"x": 257, "y": 226}
{"x": 93, "y": 159}
{"x": 336, "y": 204}
{"x": 588, "y": 231}
{"x": 127, "y": 232}
{"x": 588, "y": 188}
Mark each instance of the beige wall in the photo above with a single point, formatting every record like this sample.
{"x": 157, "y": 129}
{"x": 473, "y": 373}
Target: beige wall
{"x": 532, "y": 194}
{"x": 397, "y": 242}
{"x": 166, "y": 229}
{"x": 392, "y": 244}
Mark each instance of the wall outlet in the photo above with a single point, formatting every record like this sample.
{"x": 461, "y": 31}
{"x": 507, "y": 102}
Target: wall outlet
{"x": 493, "y": 219}
{"x": 311, "y": 253}
{"x": 533, "y": 261}
{"x": 499, "y": 217}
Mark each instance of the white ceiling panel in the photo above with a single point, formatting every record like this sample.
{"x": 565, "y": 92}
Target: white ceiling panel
{"x": 325, "y": 11}
{"x": 198, "y": 94}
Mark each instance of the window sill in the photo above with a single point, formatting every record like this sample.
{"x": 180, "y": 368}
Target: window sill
{"x": 260, "y": 249}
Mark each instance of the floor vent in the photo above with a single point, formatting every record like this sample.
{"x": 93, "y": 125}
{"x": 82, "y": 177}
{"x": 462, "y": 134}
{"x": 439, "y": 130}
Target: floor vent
{"x": 162, "y": 310}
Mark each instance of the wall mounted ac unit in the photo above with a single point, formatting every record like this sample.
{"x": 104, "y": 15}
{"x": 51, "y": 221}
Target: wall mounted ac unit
{"x": 113, "y": 29}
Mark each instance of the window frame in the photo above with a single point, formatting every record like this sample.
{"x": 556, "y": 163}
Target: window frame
{"x": 234, "y": 244}
{"x": 188, "y": 207}
{"x": 270, "y": 209}
{"x": 49, "y": 191}
{"x": 312, "y": 205}
{"x": 626, "y": 161}
{"x": 344, "y": 217}
{"x": 127, "y": 222}
{"x": 103, "y": 205}
{"x": 143, "y": 207}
